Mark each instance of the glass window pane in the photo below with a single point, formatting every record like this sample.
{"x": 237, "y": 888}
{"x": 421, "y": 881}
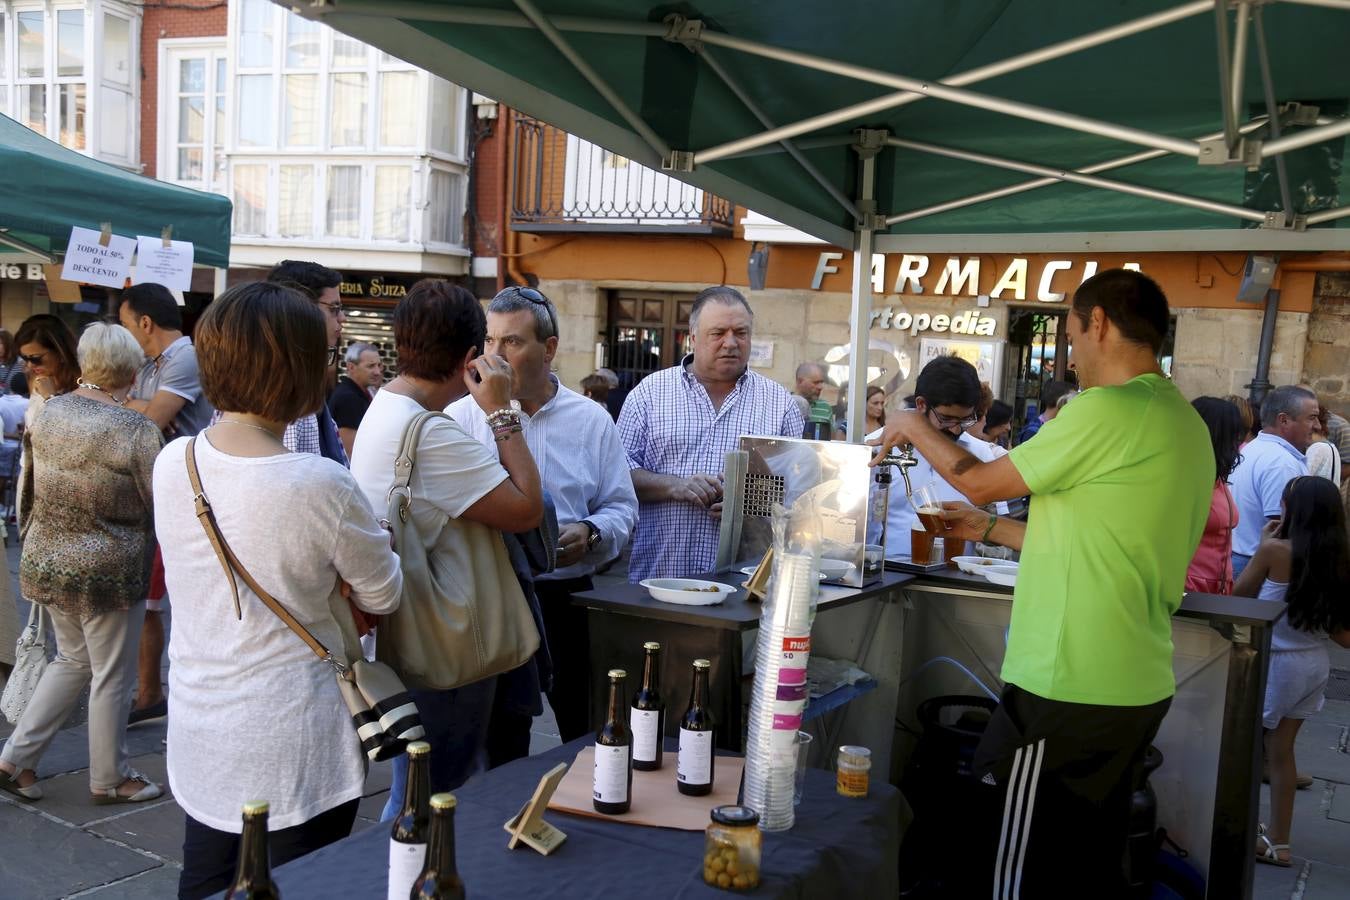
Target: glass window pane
{"x": 192, "y": 76}
{"x": 398, "y": 98}
{"x": 191, "y": 120}
{"x": 33, "y": 106}
{"x": 445, "y": 209}
{"x": 296, "y": 208}
{"x": 32, "y": 50}
{"x": 393, "y": 196}
{"x": 250, "y": 199}
{"x": 348, "y": 51}
{"x": 190, "y": 163}
{"x": 4, "y": 57}
{"x": 116, "y": 49}
{"x": 444, "y": 115}
{"x": 344, "y": 201}
{"x": 255, "y": 111}
{"x": 301, "y": 126}
{"x": 73, "y": 103}
{"x": 255, "y": 33}
{"x": 70, "y": 42}
{"x": 220, "y": 102}
{"x": 302, "y": 42}
{"x": 348, "y": 125}
{"x": 114, "y": 115}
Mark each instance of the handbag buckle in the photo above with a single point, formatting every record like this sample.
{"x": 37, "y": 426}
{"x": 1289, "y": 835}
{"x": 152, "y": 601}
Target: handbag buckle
{"x": 338, "y": 667}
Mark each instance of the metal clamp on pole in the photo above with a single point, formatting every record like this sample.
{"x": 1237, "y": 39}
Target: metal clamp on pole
{"x": 685, "y": 31}
{"x": 678, "y": 161}
{"x": 869, "y": 141}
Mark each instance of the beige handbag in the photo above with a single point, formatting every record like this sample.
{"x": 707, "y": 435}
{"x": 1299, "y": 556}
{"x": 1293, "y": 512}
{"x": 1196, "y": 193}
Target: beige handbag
{"x": 460, "y": 621}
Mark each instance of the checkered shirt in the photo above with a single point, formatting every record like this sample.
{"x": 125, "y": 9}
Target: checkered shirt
{"x": 301, "y": 436}
{"x": 668, "y": 426}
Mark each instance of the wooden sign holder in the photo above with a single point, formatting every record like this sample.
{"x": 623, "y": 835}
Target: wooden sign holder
{"x": 528, "y": 825}
{"x": 758, "y": 586}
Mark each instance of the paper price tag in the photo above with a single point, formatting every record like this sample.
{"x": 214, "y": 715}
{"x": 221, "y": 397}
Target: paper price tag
{"x": 170, "y": 266}
{"x": 91, "y": 262}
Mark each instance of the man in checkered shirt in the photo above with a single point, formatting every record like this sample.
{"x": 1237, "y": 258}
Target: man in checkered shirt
{"x": 677, "y": 426}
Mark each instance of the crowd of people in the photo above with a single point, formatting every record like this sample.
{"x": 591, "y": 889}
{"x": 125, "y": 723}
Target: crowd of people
{"x": 527, "y": 488}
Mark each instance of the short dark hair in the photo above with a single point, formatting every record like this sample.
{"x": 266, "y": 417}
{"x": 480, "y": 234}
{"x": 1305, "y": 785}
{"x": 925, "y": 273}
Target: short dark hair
{"x": 1226, "y": 431}
{"x": 1054, "y": 391}
{"x": 948, "y": 381}
{"x": 155, "y": 301}
{"x": 435, "y": 324}
{"x": 1132, "y": 302}
{"x": 595, "y": 383}
{"x": 515, "y": 299}
{"x": 263, "y": 327}
{"x": 18, "y": 384}
{"x": 308, "y": 277}
{"x": 54, "y": 336}
{"x": 1286, "y": 399}
{"x": 999, "y": 413}
{"x": 720, "y": 293}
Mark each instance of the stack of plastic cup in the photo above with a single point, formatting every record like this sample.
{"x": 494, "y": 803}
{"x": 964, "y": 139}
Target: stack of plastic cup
{"x": 778, "y": 699}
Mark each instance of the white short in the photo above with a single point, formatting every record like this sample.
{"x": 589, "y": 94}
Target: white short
{"x": 1296, "y": 686}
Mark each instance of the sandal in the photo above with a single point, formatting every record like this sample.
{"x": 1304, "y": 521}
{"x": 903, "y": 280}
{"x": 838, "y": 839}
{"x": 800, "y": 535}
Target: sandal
{"x": 9, "y": 783}
{"x": 1270, "y": 854}
{"x": 149, "y": 791}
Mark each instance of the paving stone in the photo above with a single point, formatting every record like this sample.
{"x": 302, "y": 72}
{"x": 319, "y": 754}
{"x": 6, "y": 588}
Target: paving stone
{"x": 1327, "y": 882}
{"x": 1274, "y": 883}
{"x": 67, "y": 796}
{"x": 371, "y": 807}
{"x": 160, "y": 882}
{"x": 157, "y": 829}
{"x": 45, "y": 859}
{"x": 1336, "y": 712}
{"x": 379, "y": 778}
{"x": 1318, "y": 752}
{"x": 362, "y": 823}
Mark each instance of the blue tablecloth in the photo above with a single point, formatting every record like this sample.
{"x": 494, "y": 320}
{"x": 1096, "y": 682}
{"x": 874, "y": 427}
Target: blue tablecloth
{"x": 838, "y": 848}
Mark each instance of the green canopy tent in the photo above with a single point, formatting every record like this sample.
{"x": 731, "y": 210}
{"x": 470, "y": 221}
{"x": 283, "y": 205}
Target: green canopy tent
{"x": 51, "y": 188}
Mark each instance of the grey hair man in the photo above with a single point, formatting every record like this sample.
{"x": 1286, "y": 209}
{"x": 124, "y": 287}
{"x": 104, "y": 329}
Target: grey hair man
{"x": 1288, "y": 417}
{"x": 582, "y": 466}
{"x": 351, "y": 398}
{"x": 810, "y": 378}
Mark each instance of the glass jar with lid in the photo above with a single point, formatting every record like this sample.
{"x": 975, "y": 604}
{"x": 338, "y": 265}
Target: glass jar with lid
{"x": 732, "y": 848}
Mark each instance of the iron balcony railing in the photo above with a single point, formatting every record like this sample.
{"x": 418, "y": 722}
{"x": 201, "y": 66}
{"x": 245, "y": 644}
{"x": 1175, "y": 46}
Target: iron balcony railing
{"x": 561, "y": 183}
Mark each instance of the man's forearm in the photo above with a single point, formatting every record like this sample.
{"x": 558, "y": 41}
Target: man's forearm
{"x": 652, "y": 487}
{"x": 1007, "y": 533}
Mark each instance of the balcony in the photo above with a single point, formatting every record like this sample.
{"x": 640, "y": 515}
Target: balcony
{"x": 561, "y": 183}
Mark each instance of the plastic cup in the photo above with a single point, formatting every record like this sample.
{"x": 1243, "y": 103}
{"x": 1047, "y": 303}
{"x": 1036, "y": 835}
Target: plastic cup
{"x": 920, "y": 546}
{"x": 803, "y": 743}
{"x": 928, "y": 507}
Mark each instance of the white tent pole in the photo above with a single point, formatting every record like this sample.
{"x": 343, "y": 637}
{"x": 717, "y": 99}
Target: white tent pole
{"x": 1240, "y": 212}
{"x": 860, "y": 316}
{"x": 955, "y": 95}
{"x": 1239, "y": 70}
{"x": 423, "y": 11}
{"x": 1329, "y": 4}
{"x": 1230, "y": 136}
{"x": 1268, "y": 89}
{"x": 602, "y": 88}
{"x": 970, "y": 76}
{"x": 840, "y": 197}
{"x": 1119, "y": 162}
{"x": 1339, "y": 128}
{"x": 1328, "y": 215}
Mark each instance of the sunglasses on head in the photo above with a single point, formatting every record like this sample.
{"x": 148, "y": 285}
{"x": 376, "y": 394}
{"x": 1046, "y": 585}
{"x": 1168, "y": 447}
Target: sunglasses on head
{"x": 534, "y": 296}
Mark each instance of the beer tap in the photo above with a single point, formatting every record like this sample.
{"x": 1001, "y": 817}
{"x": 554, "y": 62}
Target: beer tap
{"x": 903, "y": 459}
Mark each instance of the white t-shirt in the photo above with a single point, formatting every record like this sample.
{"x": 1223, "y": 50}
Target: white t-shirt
{"x": 253, "y": 713}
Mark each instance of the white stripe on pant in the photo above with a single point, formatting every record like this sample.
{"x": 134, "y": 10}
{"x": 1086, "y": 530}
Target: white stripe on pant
{"x": 1018, "y": 806}
{"x": 99, "y": 651}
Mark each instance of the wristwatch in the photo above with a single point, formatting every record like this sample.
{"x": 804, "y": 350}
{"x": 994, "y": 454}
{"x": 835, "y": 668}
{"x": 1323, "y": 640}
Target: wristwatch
{"x": 593, "y": 539}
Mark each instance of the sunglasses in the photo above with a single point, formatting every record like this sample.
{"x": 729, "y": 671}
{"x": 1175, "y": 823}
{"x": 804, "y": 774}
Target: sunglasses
{"x": 534, "y": 296}
{"x": 34, "y": 360}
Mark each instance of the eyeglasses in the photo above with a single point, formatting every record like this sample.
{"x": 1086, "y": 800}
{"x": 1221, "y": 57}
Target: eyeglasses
{"x": 332, "y": 355}
{"x": 335, "y": 307}
{"x": 534, "y": 296}
{"x": 34, "y": 360}
{"x": 948, "y": 421}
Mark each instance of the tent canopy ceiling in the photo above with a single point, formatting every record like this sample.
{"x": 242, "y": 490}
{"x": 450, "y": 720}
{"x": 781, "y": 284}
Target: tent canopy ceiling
{"x": 987, "y": 112}
{"x": 51, "y": 188}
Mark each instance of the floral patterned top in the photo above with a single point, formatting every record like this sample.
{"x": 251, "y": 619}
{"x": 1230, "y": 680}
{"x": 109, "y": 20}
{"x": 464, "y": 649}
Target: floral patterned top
{"x": 88, "y": 527}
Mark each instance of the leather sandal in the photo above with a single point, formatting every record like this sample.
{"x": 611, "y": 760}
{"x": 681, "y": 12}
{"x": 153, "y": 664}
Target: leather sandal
{"x": 10, "y": 785}
{"x": 149, "y": 791}
{"x": 1270, "y": 853}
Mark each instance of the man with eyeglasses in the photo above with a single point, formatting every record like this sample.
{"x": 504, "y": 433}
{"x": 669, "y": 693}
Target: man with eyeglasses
{"x": 317, "y": 433}
{"x": 946, "y": 394}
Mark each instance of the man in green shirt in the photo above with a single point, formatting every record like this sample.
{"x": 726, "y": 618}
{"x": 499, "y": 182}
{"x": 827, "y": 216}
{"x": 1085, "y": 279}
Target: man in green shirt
{"x": 1121, "y": 482}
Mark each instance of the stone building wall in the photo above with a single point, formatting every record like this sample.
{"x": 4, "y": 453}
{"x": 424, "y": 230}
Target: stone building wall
{"x": 1326, "y": 363}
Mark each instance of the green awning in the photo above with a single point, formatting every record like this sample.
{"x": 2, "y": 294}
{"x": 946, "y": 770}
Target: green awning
{"x": 969, "y": 100}
{"x": 49, "y": 188}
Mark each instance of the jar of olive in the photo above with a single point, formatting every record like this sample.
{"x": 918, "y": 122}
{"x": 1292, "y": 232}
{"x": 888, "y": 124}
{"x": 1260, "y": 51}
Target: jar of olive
{"x": 731, "y": 849}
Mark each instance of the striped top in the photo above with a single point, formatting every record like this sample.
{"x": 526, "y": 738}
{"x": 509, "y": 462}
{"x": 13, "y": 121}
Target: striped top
{"x": 669, "y": 426}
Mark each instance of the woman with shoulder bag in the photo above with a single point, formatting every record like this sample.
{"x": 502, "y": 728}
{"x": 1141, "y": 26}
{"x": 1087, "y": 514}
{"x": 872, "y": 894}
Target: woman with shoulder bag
{"x": 86, "y": 559}
{"x": 461, "y": 501}
{"x": 253, "y": 713}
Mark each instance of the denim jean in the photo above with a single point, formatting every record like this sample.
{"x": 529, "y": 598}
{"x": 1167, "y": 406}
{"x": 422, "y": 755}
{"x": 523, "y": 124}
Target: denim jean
{"x": 1240, "y": 561}
{"x": 456, "y": 722}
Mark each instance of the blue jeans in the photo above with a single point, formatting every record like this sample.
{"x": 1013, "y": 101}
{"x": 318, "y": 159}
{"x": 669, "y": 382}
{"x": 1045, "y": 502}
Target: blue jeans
{"x": 456, "y": 722}
{"x": 1240, "y": 561}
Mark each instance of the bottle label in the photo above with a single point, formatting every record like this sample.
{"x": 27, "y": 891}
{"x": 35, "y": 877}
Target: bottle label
{"x": 610, "y": 781}
{"x": 646, "y": 727}
{"x": 406, "y": 862}
{"x": 694, "y": 763}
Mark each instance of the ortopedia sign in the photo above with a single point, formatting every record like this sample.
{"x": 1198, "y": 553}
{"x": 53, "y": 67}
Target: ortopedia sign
{"x": 960, "y": 276}
{"x": 968, "y": 322}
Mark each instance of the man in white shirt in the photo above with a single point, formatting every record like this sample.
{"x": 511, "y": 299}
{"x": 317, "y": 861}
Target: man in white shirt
{"x": 947, "y": 392}
{"x": 1269, "y": 461}
{"x": 583, "y": 467}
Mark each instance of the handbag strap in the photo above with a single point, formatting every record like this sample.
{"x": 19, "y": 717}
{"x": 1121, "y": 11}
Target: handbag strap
{"x": 230, "y": 563}
{"x": 407, "y": 458}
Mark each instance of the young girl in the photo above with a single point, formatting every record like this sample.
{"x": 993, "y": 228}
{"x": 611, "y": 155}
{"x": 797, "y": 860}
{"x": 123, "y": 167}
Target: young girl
{"x": 1303, "y": 560}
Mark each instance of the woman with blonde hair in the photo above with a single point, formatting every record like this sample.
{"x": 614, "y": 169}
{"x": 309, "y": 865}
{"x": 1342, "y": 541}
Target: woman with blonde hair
{"x": 86, "y": 557}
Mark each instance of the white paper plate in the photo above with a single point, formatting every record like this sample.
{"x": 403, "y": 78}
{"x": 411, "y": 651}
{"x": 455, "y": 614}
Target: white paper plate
{"x": 1004, "y": 575}
{"x": 977, "y": 565}
{"x": 687, "y": 591}
{"x": 835, "y": 568}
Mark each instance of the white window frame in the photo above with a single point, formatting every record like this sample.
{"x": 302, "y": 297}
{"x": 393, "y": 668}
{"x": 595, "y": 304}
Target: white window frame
{"x": 171, "y": 52}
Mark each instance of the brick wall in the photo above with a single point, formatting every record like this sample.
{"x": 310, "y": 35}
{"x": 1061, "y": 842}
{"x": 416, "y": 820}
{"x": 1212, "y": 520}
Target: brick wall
{"x": 204, "y": 20}
{"x": 488, "y": 194}
{"x": 1326, "y": 364}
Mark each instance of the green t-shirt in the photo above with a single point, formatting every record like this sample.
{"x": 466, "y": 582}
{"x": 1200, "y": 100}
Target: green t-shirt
{"x": 1121, "y": 482}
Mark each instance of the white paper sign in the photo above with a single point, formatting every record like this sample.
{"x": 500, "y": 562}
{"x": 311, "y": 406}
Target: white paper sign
{"x": 89, "y": 262}
{"x": 170, "y": 266}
